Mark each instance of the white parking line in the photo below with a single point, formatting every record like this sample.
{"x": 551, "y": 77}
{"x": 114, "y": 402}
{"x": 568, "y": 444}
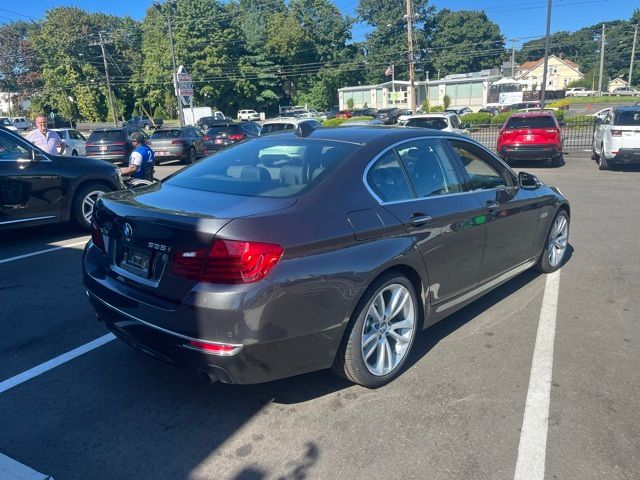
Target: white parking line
{"x": 54, "y": 362}
{"x": 13, "y": 470}
{"x": 533, "y": 436}
{"x": 40, "y": 252}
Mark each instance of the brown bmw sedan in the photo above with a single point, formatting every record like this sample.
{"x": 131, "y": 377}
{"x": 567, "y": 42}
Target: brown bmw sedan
{"x": 309, "y": 249}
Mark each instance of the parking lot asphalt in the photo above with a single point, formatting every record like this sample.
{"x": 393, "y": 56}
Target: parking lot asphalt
{"x": 456, "y": 413}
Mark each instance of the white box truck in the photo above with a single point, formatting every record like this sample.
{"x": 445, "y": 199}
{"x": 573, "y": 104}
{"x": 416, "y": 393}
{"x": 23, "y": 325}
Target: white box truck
{"x": 198, "y": 113}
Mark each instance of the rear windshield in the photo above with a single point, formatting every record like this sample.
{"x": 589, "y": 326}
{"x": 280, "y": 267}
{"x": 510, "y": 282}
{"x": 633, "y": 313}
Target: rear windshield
{"x": 531, "y": 122}
{"x": 173, "y": 133}
{"x": 630, "y": 118}
{"x": 106, "y": 136}
{"x": 433, "y": 123}
{"x": 265, "y": 167}
{"x": 218, "y": 129}
{"x": 276, "y": 127}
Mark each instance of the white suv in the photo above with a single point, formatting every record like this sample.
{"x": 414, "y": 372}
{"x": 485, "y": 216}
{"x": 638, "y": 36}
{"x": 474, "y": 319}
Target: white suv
{"x": 447, "y": 122}
{"x": 287, "y": 123}
{"x": 248, "y": 115}
{"x": 616, "y": 139}
{"x": 21, "y": 123}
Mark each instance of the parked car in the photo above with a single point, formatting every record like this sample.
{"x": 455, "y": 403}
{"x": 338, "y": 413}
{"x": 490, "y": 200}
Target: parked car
{"x": 364, "y": 112}
{"x": 531, "y": 136}
{"x": 514, "y": 107}
{"x": 388, "y": 116}
{"x": 286, "y": 123}
{"x": 22, "y": 123}
{"x": 38, "y": 188}
{"x": 447, "y": 122}
{"x": 75, "y": 142}
{"x": 490, "y": 110}
{"x": 626, "y": 92}
{"x": 579, "y": 92}
{"x": 205, "y": 122}
{"x": 144, "y": 122}
{"x": 601, "y": 114}
{"x": 616, "y": 140}
{"x": 248, "y": 115}
{"x": 349, "y": 122}
{"x": 459, "y": 110}
{"x": 225, "y": 133}
{"x": 185, "y": 144}
{"x": 111, "y": 144}
{"x": 8, "y": 124}
{"x": 344, "y": 114}
{"x": 250, "y": 267}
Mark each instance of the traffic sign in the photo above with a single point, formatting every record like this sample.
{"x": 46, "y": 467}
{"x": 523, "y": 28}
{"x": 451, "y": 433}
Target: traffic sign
{"x": 185, "y": 85}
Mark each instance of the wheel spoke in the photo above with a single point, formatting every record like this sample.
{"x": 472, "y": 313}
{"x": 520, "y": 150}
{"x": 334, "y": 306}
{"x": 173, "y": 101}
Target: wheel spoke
{"x": 396, "y": 336}
{"x": 366, "y": 340}
{"x": 401, "y": 301}
{"x": 90, "y": 201}
{"x": 374, "y": 314}
{"x": 370, "y": 351}
{"x": 406, "y": 323}
{"x": 389, "y": 355}
{"x": 382, "y": 358}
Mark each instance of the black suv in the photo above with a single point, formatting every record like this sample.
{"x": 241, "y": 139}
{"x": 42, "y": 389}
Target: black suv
{"x": 143, "y": 122}
{"x": 38, "y": 188}
{"x": 388, "y": 116}
{"x": 112, "y": 144}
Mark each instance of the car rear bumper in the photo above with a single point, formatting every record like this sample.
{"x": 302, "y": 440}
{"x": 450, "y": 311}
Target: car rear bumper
{"x": 110, "y": 157}
{"x": 627, "y": 156}
{"x": 260, "y": 319}
{"x": 529, "y": 152}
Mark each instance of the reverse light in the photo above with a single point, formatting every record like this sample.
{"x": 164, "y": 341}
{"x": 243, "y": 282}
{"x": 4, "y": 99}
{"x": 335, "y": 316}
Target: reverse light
{"x": 227, "y": 262}
{"x": 96, "y": 236}
{"x": 214, "y": 348}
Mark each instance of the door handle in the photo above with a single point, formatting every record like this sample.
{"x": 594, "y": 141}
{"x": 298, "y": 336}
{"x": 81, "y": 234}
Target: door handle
{"x": 491, "y": 205}
{"x": 419, "y": 219}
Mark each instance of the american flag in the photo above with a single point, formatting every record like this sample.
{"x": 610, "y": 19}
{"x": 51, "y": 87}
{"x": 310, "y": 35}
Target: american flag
{"x": 389, "y": 70}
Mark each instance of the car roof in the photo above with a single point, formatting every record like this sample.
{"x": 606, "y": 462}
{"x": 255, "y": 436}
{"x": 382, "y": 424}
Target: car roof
{"x": 627, "y": 108}
{"x": 362, "y": 135}
{"x": 533, "y": 114}
{"x": 433, "y": 115}
{"x": 288, "y": 120}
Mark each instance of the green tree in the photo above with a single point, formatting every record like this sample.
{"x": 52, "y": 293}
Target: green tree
{"x": 464, "y": 41}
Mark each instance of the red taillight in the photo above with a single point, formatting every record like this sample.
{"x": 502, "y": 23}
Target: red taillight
{"x": 177, "y": 142}
{"x": 227, "y": 261}
{"x": 96, "y": 235}
{"x": 616, "y": 133}
{"x": 215, "y": 348}
{"x": 206, "y": 138}
{"x": 236, "y": 137}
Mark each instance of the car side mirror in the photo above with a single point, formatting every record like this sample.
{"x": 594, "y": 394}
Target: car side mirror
{"x": 562, "y": 123}
{"x": 599, "y": 121}
{"x": 528, "y": 181}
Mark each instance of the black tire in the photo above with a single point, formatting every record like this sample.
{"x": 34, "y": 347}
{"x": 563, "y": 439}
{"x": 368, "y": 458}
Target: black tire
{"x": 205, "y": 126}
{"x": 191, "y": 157}
{"x": 594, "y": 154}
{"x": 349, "y": 362}
{"x": 557, "y": 161}
{"x": 74, "y": 153}
{"x": 79, "y": 210}
{"x": 543, "y": 265}
{"x": 603, "y": 163}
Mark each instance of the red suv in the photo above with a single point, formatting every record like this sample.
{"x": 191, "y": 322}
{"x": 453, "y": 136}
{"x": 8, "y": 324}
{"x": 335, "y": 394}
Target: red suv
{"x": 531, "y": 136}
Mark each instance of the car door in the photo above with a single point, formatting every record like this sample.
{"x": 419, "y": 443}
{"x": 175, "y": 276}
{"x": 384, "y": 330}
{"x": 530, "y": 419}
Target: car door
{"x": 600, "y": 133}
{"x": 198, "y": 141}
{"x": 418, "y": 183}
{"x": 512, "y": 214}
{"x": 78, "y": 141}
{"x": 30, "y": 189}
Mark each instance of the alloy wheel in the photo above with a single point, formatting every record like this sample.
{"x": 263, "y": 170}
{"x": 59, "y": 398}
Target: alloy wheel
{"x": 388, "y": 330}
{"x": 557, "y": 242}
{"x": 88, "y": 203}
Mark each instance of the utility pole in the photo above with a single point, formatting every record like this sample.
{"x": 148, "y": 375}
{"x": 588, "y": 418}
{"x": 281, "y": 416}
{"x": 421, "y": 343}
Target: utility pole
{"x": 602, "y": 39}
{"x": 173, "y": 59}
{"x": 412, "y": 87}
{"x": 513, "y": 59}
{"x": 543, "y": 92}
{"x": 106, "y": 72}
{"x": 633, "y": 54}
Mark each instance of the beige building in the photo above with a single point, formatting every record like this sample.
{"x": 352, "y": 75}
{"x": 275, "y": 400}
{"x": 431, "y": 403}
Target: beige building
{"x": 560, "y": 73}
{"x": 615, "y": 83}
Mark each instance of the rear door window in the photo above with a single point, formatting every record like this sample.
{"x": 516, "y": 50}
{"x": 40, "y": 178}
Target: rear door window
{"x": 387, "y": 179}
{"x": 630, "y": 118}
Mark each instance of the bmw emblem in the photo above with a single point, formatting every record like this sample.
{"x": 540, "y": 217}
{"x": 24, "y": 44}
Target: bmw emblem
{"x": 127, "y": 231}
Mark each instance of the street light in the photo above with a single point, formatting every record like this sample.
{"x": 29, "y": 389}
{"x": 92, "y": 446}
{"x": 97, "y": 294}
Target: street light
{"x": 158, "y": 6}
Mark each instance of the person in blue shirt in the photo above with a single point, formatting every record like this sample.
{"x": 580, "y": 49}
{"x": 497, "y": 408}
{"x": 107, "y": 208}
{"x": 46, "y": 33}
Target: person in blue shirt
{"x": 141, "y": 160}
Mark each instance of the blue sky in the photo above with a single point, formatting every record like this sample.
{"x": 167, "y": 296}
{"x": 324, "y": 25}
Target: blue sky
{"x": 517, "y": 18}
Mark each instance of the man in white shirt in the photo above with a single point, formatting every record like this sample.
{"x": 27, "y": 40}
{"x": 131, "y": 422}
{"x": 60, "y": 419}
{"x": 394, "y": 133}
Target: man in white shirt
{"x": 45, "y": 139}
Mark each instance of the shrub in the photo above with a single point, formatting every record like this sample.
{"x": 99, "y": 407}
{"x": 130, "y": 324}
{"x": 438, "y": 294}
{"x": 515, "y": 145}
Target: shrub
{"x": 350, "y": 103}
{"x": 425, "y": 106}
{"x": 559, "y": 115}
{"x": 580, "y": 119}
{"x": 562, "y": 104}
{"x": 437, "y": 108}
{"x": 500, "y": 118}
{"x": 333, "y": 122}
{"x": 447, "y": 101}
{"x": 476, "y": 118}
